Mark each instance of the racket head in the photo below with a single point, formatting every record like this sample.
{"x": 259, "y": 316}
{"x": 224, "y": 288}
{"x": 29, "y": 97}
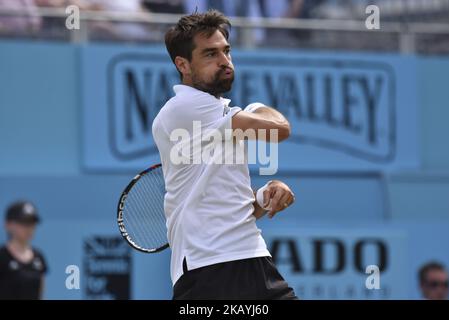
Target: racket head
{"x": 128, "y": 194}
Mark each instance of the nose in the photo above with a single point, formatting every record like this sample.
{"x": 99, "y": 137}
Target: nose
{"x": 225, "y": 61}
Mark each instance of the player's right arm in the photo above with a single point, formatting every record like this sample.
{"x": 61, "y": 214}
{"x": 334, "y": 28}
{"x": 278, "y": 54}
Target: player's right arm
{"x": 264, "y": 118}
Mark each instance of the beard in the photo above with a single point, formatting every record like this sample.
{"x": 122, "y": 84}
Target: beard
{"x": 217, "y": 86}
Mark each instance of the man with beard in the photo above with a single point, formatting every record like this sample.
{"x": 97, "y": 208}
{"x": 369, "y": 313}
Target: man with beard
{"x": 217, "y": 250}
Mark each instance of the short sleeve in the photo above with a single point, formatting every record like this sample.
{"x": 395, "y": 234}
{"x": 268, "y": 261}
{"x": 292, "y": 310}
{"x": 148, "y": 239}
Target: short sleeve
{"x": 200, "y": 110}
{"x": 226, "y": 123}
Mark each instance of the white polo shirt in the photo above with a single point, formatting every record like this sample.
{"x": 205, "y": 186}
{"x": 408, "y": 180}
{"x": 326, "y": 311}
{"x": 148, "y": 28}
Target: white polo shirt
{"x": 208, "y": 206}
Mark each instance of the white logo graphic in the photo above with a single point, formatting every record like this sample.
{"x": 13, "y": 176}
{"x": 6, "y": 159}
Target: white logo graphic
{"x": 373, "y": 20}
{"x": 13, "y": 265}
{"x": 37, "y": 263}
{"x": 373, "y": 280}
{"x": 73, "y": 280}
{"x": 73, "y": 20}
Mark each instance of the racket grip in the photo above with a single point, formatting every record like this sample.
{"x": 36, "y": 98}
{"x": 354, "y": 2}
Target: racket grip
{"x": 259, "y": 197}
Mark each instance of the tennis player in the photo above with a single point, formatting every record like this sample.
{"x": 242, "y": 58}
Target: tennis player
{"x": 217, "y": 250}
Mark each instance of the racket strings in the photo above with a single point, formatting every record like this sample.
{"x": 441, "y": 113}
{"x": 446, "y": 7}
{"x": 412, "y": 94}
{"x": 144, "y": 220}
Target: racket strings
{"x": 143, "y": 213}
{"x": 143, "y": 222}
{"x": 159, "y": 219}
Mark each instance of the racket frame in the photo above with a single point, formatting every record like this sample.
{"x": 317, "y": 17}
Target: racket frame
{"x": 121, "y": 206}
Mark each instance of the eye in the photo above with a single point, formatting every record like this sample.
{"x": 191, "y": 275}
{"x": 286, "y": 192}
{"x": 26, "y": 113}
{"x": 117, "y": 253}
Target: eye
{"x": 210, "y": 54}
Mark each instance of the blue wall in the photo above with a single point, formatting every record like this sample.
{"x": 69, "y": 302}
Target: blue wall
{"x": 41, "y": 159}
{"x": 39, "y": 109}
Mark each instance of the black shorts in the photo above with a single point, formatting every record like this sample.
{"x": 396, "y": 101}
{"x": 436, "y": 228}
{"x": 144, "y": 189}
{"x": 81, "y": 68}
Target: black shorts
{"x": 247, "y": 279}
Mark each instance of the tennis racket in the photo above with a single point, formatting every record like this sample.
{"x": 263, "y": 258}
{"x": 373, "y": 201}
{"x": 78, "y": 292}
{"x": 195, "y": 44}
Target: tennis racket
{"x": 140, "y": 211}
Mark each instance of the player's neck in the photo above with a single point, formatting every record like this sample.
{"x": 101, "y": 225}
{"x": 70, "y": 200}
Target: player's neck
{"x": 189, "y": 83}
{"x": 18, "y": 246}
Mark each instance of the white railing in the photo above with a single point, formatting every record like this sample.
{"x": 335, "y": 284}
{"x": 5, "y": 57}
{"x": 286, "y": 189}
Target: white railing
{"x": 405, "y": 31}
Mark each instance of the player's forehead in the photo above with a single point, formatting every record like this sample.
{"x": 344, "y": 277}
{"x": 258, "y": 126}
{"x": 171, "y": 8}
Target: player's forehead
{"x": 437, "y": 274}
{"x": 216, "y": 41}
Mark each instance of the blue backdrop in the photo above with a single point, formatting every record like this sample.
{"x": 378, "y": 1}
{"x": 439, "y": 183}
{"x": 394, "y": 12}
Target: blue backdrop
{"x": 55, "y": 150}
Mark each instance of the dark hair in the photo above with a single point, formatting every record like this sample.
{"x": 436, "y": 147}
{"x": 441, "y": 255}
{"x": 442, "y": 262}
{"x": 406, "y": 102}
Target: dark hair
{"x": 179, "y": 38}
{"x": 428, "y": 267}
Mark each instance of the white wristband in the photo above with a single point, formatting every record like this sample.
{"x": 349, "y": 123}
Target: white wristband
{"x": 259, "y": 197}
{"x": 253, "y": 106}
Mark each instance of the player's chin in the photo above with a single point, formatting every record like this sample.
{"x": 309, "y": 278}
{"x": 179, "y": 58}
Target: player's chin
{"x": 226, "y": 85}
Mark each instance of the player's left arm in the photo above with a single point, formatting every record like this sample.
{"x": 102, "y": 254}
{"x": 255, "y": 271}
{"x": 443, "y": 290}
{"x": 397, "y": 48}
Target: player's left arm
{"x": 277, "y": 195}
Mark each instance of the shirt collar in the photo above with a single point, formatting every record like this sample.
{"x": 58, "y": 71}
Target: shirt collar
{"x": 182, "y": 87}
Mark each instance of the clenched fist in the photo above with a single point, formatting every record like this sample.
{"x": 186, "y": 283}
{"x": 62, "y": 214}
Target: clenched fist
{"x": 277, "y": 197}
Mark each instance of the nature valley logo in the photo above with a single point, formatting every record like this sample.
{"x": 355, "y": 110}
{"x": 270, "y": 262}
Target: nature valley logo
{"x": 341, "y": 105}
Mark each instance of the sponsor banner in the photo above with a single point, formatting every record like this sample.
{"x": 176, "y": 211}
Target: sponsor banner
{"x": 347, "y": 112}
{"x": 339, "y": 263}
{"x": 107, "y": 267}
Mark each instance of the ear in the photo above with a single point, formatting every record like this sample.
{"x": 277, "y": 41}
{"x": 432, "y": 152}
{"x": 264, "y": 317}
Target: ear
{"x": 183, "y": 65}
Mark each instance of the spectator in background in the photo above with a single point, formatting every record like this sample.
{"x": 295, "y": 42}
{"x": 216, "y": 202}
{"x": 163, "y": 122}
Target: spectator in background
{"x": 233, "y": 8}
{"x": 54, "y": 27}
{"x": 293, "y": 9}
{"x": 225, "y": 6}
{"x": 22, "y": 267}
{"x": 19, "y": 25}
{"x": 195, "y": 5}
{"x": 434, "y": 281}
{"x": 252, "y": 10}
{"x": 302, "y": 8}
{"x": 164, "y": 6}
{"x": 157, "y": 32}
{"x": 119, "y": 30}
